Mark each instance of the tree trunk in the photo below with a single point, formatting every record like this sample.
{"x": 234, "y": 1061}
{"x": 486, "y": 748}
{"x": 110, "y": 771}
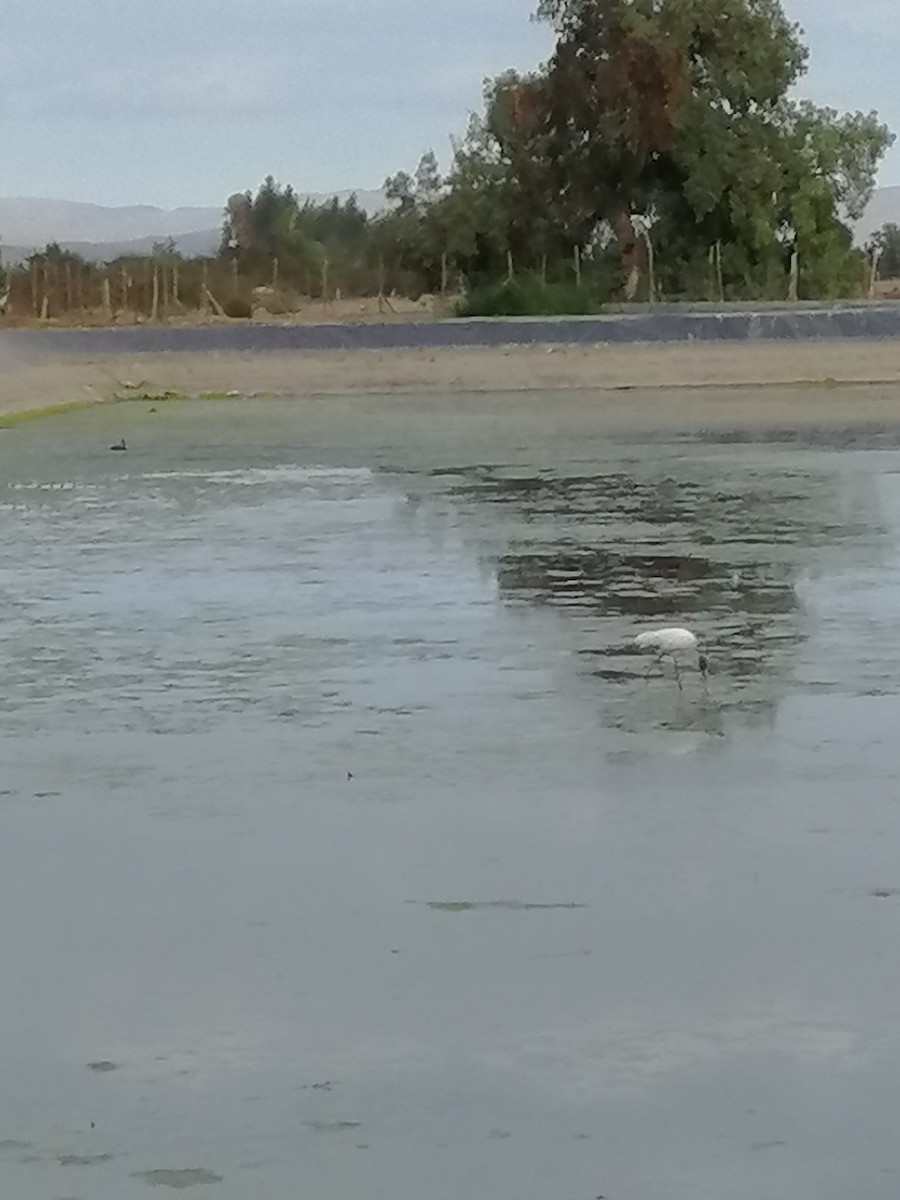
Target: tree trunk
{"x": 630, "y": 249}
{"x": 873, "y": 273}
{"x": 651, "y": 266}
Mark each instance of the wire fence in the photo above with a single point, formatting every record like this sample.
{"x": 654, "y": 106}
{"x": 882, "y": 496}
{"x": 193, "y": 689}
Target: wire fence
{"x": 69, "y": 290}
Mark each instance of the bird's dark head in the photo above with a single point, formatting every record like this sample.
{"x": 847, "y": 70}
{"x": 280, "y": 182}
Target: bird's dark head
{"x": 703, "y": 664}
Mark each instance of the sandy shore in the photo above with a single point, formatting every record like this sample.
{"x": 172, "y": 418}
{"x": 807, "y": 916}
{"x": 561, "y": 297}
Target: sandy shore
{"x": 870, "y": 371}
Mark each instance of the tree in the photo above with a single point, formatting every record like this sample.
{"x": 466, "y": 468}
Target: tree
{"x": 409, "y": 239}
{"x": 886, "y": 243}
{"x": 680, "y": 110}
{"x": 269, "y": 227}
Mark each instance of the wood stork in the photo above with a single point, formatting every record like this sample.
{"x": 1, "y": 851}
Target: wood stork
{"x": 678, "y": 644}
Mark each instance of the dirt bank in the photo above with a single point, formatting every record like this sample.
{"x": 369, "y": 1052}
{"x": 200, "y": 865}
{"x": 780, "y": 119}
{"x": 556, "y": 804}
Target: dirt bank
{"x": 39, "y": 380}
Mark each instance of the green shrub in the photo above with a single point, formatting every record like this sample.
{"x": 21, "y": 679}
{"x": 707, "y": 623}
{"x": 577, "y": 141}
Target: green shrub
{"x": 530, "y": 296}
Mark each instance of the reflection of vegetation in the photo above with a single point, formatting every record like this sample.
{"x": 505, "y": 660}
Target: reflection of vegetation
{"x": 658, "y": 501}
{"x": 640, "y": 585}
{"x": 673, "y": 551}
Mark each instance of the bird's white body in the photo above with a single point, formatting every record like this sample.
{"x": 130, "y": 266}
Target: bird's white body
{"x": 667, "y": 641}
{"x": 674, "y": 643}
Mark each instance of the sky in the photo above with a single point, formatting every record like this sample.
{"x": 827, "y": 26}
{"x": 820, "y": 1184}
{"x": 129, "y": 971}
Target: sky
{"x": 182, "y": 102}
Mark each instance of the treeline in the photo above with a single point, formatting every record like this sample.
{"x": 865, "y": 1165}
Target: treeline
{"x": 55, "y": 283}
{"x": 658, "y": 153}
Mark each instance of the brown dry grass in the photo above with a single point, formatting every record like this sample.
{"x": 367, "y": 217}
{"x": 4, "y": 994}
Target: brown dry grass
{"x": 302, "y": 310}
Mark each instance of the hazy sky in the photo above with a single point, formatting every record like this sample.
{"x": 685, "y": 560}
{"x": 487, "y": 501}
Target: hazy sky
{"x": 184, "y": 101}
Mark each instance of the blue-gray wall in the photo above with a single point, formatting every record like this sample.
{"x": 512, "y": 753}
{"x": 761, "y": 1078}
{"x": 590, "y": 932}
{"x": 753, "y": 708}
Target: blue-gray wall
{"x": 659, "y": 324}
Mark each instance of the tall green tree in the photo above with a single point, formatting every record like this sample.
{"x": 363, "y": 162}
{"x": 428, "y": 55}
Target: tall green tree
{"x": 260, "y": 229}
{"x": 680, "y": 110}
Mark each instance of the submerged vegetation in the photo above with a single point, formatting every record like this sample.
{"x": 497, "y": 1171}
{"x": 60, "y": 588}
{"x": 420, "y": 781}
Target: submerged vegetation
{"x": 658, "y": 152}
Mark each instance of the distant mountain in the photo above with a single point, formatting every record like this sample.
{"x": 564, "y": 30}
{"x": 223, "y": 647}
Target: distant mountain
{"x": 200, "y": 242}
{"x": 30, "y": 222}
{"x": 100, "y": 233}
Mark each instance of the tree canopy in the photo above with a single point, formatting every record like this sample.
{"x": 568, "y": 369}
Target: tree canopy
{"x": 663, "y": 127}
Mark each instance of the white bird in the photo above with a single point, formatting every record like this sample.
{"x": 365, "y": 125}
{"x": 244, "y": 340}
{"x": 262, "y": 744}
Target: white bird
{"x": 677, "y": 644}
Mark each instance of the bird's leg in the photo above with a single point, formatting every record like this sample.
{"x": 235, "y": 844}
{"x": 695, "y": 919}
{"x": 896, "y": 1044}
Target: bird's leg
{"x": 657, "y": 658}
{"x": 703, "y": 667}
{"x": 677, "y": 673}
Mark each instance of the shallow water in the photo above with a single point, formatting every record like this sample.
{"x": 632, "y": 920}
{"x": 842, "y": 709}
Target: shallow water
{"x": 346, "y": 852}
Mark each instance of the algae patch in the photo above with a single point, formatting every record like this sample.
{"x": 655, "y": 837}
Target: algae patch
{"x": 458, "y": 906}
{"x": 180, "y": 1180}
{"x": 82, "y": 1160}
{"x": 48, "y": 410}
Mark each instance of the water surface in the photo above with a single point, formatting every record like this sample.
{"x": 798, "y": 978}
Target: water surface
{"x": 346, "y": 852}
